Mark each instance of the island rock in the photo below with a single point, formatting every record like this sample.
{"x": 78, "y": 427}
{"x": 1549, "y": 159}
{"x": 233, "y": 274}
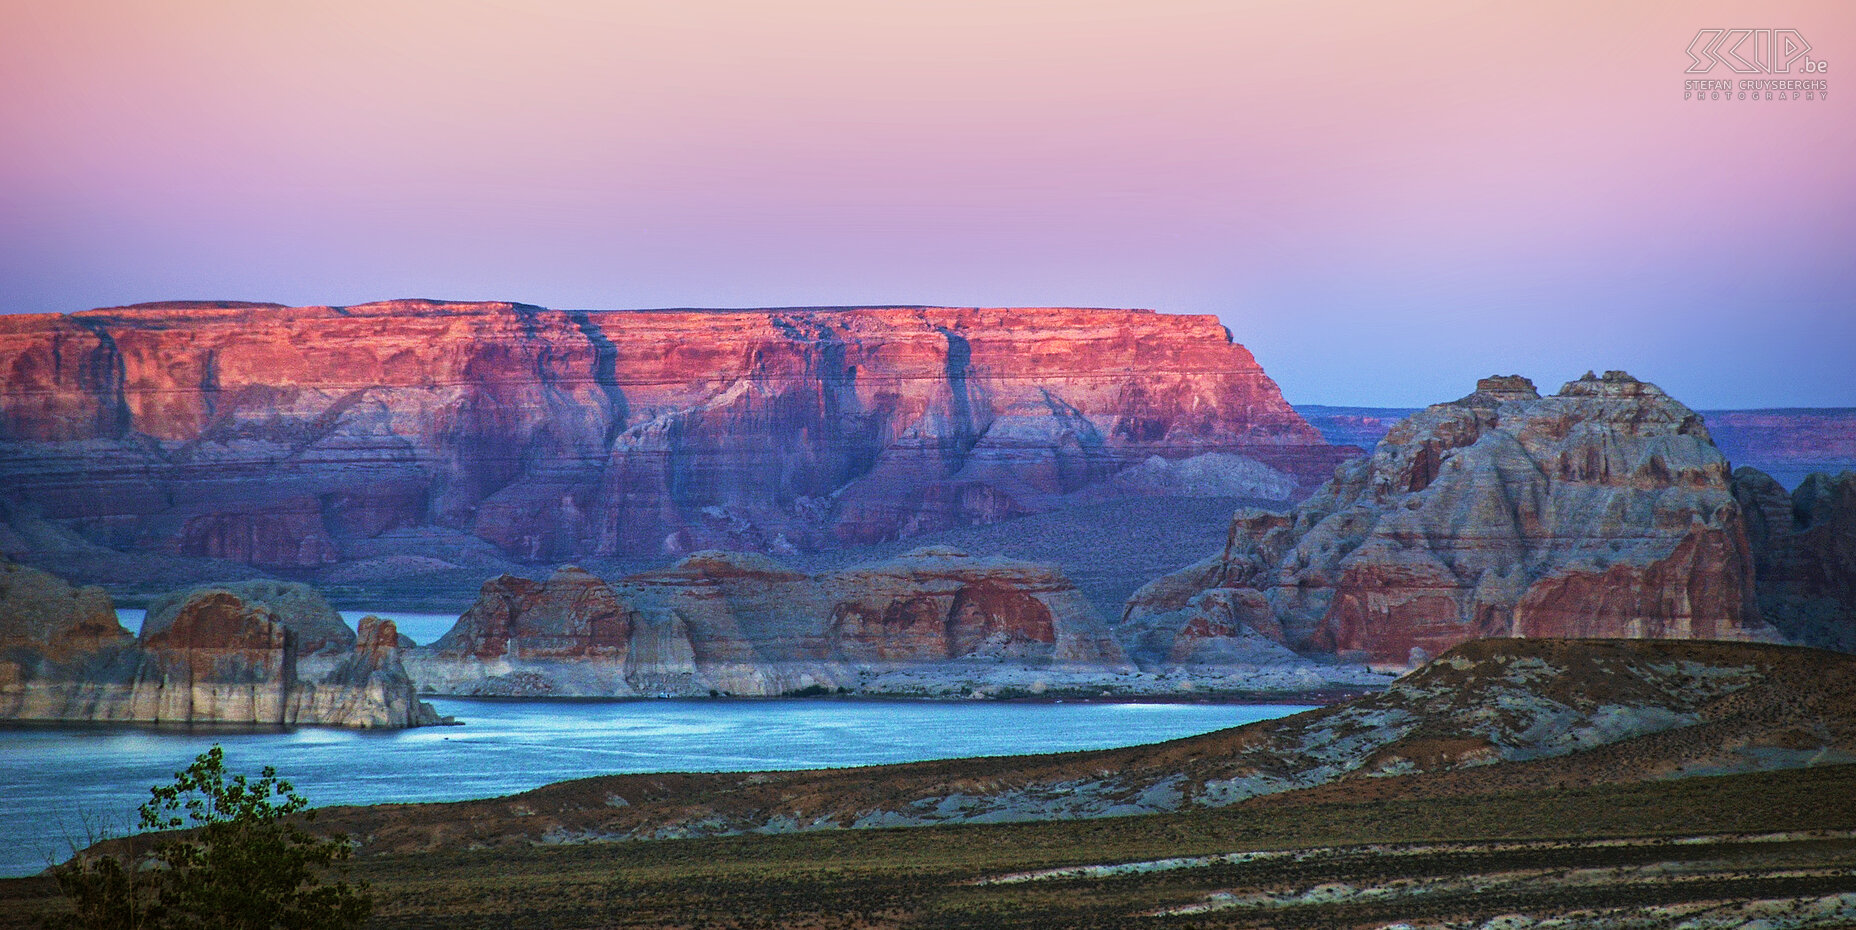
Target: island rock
{"x": 742, "y": 624}
{"x": 211, "y": 657}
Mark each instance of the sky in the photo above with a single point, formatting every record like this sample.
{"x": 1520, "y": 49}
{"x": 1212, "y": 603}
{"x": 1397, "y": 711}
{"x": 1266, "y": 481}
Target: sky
{"x": 1383, "y": 202}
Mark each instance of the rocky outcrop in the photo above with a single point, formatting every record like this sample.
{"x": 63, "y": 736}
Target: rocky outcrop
{"x": 738, "y": 623}
{"x": 1805, "y": 552}
{"x": 1786, "y": 443}
{"x": 219, "y": 660}
{"x": 285, "y": 438}
{"x": 210, "y": 657}
{"x": 368, "y": 687}
{"x": 1486, "y": 717}
{"x": 53, "y": 638}
{"x": 570, "y": 635}
{"x": 1602, "y": 511}
{"x": 318, "y": 628}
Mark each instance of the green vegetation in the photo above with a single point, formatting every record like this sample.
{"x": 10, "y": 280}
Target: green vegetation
{"x": 243, "y": 863}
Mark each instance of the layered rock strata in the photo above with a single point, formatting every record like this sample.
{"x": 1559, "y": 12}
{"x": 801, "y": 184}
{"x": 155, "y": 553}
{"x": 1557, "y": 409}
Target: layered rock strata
{"x": 284, "y": 438}
{"x": 318, "y": 628}
{"x": 740, "y": 624}
{"x": 210, "y": 657}
{"x": 1604, "y": 510}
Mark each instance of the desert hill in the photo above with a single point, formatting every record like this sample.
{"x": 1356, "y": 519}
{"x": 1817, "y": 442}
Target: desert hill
{"x": 1516, "y": 713}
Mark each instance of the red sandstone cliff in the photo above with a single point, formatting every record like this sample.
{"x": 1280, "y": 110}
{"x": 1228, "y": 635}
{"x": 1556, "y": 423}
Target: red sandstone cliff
{"x": 278, "y": 436}
{"x": 1602, "y": 511}
{"x": 739, "y": 623}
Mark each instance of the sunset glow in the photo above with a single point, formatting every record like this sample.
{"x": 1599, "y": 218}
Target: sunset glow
{"x": 1382, "y": 202}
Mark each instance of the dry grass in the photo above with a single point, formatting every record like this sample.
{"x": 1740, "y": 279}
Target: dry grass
{"x": 925, "y": 877}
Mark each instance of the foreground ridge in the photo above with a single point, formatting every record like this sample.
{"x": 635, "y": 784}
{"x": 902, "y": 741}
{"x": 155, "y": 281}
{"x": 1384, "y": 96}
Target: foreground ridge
{"x": 1488, "y": 715}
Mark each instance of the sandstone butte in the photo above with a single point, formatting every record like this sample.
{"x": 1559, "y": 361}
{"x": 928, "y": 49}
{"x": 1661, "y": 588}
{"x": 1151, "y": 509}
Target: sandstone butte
{"x": 281, "y": 437}
{"x": 1602, "y": 511}
{"x": 741, "y": 624}
{"x": 209, "y": 656}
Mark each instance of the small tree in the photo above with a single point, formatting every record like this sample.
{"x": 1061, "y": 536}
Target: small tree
{"x": 243, "y": 863}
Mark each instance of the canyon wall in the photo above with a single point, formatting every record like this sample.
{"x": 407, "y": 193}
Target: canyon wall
{"x": 1603, "y": 511}
{"x": 286, "y": 438}
{"x": 209, "y": 656}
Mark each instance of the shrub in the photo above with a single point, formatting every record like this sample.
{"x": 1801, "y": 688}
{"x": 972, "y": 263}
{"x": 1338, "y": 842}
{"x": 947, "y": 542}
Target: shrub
{"x": 242, "y": 863}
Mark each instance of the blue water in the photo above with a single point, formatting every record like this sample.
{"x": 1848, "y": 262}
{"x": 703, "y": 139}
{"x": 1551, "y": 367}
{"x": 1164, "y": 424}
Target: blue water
{"x": 60, "y": 785}
{"x": 423, "y": 628}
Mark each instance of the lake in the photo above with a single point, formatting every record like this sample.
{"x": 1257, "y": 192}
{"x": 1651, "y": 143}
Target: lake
{"x": 423, "y": 629}
{"x": 58, "y": 783}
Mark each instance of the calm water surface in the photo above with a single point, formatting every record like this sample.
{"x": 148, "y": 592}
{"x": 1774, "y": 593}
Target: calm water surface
{"x": 422, "y": 628}
{"x": 57, "y": 783}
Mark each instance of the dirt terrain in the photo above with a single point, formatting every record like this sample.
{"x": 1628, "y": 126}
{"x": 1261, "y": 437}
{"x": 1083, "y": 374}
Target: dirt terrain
{"x": 1510, "y": 784}
{"x": 1720, "y": 852}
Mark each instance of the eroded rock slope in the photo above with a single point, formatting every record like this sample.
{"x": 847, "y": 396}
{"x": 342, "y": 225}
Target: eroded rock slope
{"x": 288, "y": 438}
{"x": 1488, "y": 714}
{"x": 1604, "y": 510}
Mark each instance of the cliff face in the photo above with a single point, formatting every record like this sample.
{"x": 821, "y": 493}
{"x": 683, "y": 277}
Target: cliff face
{"x": 209, "y": 656}
{"x": 278, "y": 436}
{"x": 1805, "y": 552}
{"x": 1603, "y": 511}
{"x": 741, "y": 624}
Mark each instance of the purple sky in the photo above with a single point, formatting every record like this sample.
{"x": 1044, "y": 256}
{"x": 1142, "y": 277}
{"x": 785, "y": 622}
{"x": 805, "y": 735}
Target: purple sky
{"x": 1382, "y": 202}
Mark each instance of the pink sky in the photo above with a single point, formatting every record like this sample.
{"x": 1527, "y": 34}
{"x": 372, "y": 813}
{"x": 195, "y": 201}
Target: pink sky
{"x": 1382, "y": 202}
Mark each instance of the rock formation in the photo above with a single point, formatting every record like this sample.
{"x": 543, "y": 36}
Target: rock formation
{"x": 317, "y": 626}
{"x": 1805, "y": 552}
{"x": 1604, "y": 510}
{"x": 209, "y": 657}
{"x": 284, "y": 438}
{"x": 368, "y": 687}
{"x": 53, "y": 639}
{"x": 738, "y": 623}
{"x": 1786, "y": 443}
{"x": 569, "y": 635}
